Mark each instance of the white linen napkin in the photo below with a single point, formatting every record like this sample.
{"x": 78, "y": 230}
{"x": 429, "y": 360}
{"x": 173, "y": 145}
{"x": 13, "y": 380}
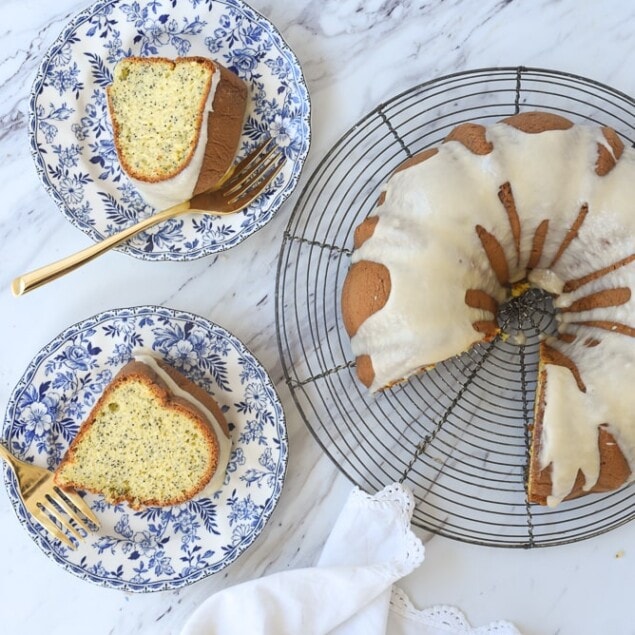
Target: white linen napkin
{"x": 351, "y": 590}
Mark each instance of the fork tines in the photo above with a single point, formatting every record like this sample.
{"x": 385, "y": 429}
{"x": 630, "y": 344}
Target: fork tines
{"x": 252, "y": 156}
{"x": 255, "y": 172}
{"x": 63, "y": 513}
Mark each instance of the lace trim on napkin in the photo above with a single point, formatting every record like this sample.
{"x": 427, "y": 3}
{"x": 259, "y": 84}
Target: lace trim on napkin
{"x": 401, "y": 499}
{"x": 445, "y": 618}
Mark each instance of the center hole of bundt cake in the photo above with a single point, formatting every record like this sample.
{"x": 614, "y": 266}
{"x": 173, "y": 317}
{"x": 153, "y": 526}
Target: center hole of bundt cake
{"x": 528, "y": 314}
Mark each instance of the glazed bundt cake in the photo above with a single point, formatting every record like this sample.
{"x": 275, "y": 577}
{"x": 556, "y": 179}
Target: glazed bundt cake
{"x": 153, "y": 438}
{"x": 532, "y": 200}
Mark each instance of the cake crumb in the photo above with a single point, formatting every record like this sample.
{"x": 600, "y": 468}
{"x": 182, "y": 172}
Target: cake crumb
{"x": 518, "y": 288}
{"x": 620, "y": 553}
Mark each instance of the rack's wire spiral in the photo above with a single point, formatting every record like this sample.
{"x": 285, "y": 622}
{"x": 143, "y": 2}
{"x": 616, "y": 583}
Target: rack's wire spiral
{"x": 458, "y": 434}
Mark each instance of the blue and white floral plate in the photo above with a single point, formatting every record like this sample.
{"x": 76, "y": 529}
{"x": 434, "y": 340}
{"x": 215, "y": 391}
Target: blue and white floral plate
{"x": 155, "y": 548}
{"x": 70, "y": 133}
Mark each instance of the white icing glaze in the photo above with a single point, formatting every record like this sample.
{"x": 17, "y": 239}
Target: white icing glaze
{"x": 426, "y": 237}
{"x": 520, "y": 339}
{"x": 546, "y": 279}
{"x": 179, "y": 188}
{"x": 224, "y": 442}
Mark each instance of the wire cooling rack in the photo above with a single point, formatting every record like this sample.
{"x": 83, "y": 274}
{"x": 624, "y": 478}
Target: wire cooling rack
{"x": 458, "y": 434}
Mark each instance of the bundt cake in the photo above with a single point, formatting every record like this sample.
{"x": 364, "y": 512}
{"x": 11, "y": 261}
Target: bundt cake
{"x": 532, "y": 200}
{"x": 176, "y": 124}
{"x": 153, "y": 438}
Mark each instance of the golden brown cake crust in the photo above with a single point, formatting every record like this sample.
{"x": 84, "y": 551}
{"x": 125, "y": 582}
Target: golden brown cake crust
{"x": 144, "y": 373}
{"x": 420, "y": 157}
{"x": 535, "y": 122}
{"x": 495, "y": 254}
{"x": 365, "y": 370}
{"x": 366, "y": 290}
{"x": 537, "y": 244}
{"x": 224, "y": 129}
{"x": 472, "y": 136}
{"x": 479, "y": 299}
{"x": 606, "y": 160}
{"x": 364, "y": 231}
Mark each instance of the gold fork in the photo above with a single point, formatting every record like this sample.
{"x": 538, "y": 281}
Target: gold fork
{"x": 48, "y": 504}
{"x": 247, "y": 181}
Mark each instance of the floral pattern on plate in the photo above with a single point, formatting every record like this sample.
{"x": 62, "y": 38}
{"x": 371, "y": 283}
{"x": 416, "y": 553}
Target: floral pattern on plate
{"x": 70, "y": 132}
{"x": 154, "y": 548}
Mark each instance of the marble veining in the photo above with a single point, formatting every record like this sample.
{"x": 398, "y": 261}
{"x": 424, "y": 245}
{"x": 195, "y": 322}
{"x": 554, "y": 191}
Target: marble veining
{"x": 354, "y": 54}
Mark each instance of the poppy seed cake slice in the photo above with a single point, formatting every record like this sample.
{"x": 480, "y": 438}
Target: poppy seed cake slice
{"x": 153, "y": 438}
{"x": 176, "y": 124}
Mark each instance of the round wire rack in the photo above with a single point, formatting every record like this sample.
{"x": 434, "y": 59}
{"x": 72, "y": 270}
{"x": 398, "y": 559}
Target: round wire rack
{"x": 458, "y": 435}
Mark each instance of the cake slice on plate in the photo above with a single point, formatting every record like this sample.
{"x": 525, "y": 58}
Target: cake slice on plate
{"x": 176, "y": 124}
{"x": 153, "y": 438}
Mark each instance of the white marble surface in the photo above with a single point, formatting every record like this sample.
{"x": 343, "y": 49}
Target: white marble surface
{"x": 354, "y": 54}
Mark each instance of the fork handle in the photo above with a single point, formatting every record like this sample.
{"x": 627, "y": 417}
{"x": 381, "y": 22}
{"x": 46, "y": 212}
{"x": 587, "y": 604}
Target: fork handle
{"x": 6, "y": 455}
{"x": 12, "y": 461}
{"x": 36, "y": 278}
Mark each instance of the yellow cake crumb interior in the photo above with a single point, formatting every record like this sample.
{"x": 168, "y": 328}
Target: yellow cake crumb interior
{"x": 157, "y": 110}
{"x": 157, "y": 454}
